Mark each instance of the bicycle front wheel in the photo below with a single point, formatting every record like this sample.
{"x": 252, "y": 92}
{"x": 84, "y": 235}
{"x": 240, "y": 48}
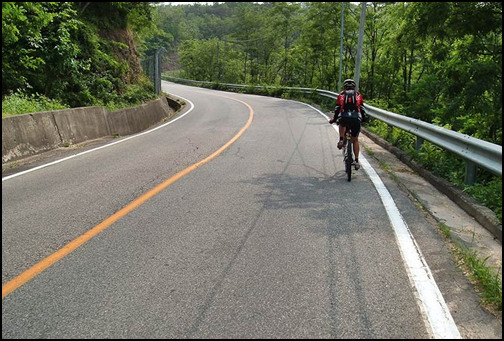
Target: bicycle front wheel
{"x": 348, "y": 160}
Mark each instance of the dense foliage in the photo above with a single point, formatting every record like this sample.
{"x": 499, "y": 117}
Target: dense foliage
{"x": 440, "y": 62}
{"x": 75, "y": 53}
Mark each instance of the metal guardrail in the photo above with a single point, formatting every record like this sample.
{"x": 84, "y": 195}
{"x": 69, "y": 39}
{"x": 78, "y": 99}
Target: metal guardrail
{"x": 482, "y": 153}
{"x": 473, "y": 150}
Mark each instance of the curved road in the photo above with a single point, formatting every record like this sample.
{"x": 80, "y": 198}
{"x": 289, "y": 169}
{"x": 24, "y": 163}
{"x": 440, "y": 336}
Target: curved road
{"x": 233, "y": 221}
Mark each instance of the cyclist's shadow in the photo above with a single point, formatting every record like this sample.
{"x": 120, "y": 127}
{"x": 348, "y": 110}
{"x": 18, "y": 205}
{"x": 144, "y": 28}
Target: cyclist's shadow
{"x": 320, "y": 196}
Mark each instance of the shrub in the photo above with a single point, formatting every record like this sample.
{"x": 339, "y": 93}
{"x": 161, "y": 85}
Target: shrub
{"x": 19, "y": 103}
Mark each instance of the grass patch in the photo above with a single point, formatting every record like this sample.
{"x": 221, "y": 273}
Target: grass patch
{"x": 487, "y": 279}
{"x": 386, "y": 167}
{"x": 19, "y": 103}
{"x": 369, "y": 152}
{"x": 445, "y": 230}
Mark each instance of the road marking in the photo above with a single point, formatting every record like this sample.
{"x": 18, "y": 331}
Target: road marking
{"x": 36, "y": 269}
{"x": 431, "y": 300}
{"x": 101, "y": 147}
{"x": 437, "y": 317}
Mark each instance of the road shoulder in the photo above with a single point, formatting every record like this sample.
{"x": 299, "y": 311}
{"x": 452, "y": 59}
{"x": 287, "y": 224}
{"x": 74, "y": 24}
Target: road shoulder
{"x": 463, "y": 227}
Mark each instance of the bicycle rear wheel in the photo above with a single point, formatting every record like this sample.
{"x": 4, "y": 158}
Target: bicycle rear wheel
{"x": 348, "y": 159}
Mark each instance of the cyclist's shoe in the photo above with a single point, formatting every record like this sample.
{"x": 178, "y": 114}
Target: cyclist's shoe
{"x": 356, "y": 165}
{"x": 340, "y": 144}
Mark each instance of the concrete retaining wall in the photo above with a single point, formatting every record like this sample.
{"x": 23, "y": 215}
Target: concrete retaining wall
{"x": 29, "y": 134}
{"x": 133, "y": 120}
{"x": 80, "y": 124}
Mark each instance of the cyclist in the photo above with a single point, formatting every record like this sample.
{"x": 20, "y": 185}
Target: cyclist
{"x": 349, "y": 112}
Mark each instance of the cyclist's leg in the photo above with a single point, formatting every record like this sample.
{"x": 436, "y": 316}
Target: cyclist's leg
{"x": 355, "y": 140}
{"x": 356, "y": 147}
{"x": 342, "y": 129}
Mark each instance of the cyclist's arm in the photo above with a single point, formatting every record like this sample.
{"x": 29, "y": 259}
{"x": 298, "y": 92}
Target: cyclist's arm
{"x": 363, "y": 113}
{"x": 337, "y": 111}
{"x": 339, "y": 105}
{"x": 362, "y": 108}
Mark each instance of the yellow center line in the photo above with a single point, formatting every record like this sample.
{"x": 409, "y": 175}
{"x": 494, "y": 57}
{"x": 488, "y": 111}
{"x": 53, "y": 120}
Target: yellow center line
{"x": 36, "y": 269}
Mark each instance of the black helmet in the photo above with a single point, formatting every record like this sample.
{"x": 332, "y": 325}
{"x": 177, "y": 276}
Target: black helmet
{"x": 349, "y": 83}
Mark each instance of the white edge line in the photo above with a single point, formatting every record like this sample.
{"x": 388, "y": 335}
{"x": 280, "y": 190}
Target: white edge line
{"x": 431, "y": 301}
{"x": 101, "y": 147}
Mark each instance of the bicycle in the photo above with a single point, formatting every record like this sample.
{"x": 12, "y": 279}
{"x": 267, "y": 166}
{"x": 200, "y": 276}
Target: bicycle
{"x": 347, "y": 150}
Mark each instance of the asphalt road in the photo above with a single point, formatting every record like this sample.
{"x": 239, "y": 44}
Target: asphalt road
{"x": 255, "y": 233}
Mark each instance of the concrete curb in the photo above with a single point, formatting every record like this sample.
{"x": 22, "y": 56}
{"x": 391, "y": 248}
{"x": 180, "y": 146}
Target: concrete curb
{"x": 483, "y": 215}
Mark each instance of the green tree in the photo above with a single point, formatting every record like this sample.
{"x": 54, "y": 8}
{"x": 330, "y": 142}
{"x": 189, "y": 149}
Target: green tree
{"x": 76, "y": 53}
{"x": 433, "y": 61}
{"x": 22, "y": 25}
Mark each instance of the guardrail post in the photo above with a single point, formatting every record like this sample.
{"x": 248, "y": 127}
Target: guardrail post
{"x": 157, "y": 70}
{"x": 419, "y": 143}
{"x": 389, "y": 131}
{"x": 470, "y": 173}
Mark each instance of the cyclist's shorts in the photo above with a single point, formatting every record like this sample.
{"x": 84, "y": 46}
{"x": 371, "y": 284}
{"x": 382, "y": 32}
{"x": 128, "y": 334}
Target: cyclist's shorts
{"x": 353, "y": 123}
